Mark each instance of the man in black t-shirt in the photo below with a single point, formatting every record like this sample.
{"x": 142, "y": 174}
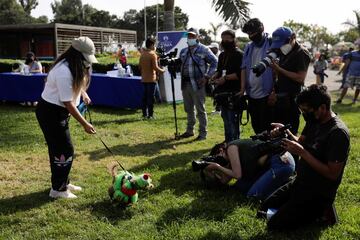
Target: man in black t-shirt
{"x": 227, "y": 84}
{"x": 291, "y": 71}
{"x": 323, "y": 148}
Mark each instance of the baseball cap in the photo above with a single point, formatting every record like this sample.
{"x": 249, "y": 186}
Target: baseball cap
{"x": 86, "y": 46}
{"x": 214, "y": 45}
{"x": 280, "y": 36}
{"x": 193, "y": 31}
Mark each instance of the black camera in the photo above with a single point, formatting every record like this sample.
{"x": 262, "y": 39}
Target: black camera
{"x": 204, "y": 162}
{"x": 260, "y": 67}
{"x": 271, "y": 145}
{"x": 168, "y": 59}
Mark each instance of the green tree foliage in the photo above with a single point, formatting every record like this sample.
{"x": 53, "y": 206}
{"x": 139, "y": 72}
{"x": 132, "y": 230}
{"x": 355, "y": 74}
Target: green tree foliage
{"x": 205, "y": 37}
{"x": 68, "y": 11}
{"x": 11, "y": 13}
{"x": 318, "y": 36}
{"x": 133, "y": 19}
{"x": 28, "y": 5}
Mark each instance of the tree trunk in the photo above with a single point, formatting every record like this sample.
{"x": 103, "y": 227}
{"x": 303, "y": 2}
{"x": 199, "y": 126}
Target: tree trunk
{"x": 169, "y": 17}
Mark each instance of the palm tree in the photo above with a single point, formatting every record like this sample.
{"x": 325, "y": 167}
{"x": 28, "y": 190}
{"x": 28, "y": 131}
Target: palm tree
{"x": 215, "y": 29}
{"x": 236, "y": 12}
{"x": 355, "y": 25}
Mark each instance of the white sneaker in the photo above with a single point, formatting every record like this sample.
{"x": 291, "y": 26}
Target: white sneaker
{"x": 63, "y": 194}
{"x": 72, "y": 187}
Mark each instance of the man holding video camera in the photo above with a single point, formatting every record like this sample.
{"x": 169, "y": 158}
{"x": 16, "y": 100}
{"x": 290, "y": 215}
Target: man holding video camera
{"x": 228, "y": 88}
{"x": 198, "y": 64}
{"x": 323, "y": 148}
{"x": 291, "y": 71}
{"x": 258, "y": 88}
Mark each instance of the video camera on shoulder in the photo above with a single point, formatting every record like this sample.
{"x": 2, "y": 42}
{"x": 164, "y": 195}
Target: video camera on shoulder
{"x": 272, "y": 145}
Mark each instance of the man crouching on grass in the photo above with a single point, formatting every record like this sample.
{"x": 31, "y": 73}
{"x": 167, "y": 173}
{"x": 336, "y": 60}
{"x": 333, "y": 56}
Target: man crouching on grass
{"x": 323, "y": 148}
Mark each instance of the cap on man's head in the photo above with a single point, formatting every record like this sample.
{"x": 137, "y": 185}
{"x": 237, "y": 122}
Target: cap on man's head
{"x": 214, "y": 45}
{"x": 280, "y": 37}
{"x": 86, "y": 46}
{"x": 193, "y": 31}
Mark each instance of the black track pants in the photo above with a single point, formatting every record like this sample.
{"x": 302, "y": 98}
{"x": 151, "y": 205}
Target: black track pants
{"x": 54, "y": 123}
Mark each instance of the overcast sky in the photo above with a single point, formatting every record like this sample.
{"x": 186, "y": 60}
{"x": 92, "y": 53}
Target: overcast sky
{"x": 330, "y": 14}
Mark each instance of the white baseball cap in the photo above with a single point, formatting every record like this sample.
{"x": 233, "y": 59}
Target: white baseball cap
{"x": 214, "y": 45}
{"x": 86, "y": 46}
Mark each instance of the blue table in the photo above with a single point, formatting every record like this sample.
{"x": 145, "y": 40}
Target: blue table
{"x": 104, "y": 90}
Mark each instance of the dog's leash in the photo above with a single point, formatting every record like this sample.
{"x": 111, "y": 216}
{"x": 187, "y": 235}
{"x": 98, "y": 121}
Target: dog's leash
{"x": 87, "y": 110}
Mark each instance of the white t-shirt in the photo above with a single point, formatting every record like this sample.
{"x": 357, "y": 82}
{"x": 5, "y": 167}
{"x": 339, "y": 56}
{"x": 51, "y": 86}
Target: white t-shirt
{"x": 58, "y": 87}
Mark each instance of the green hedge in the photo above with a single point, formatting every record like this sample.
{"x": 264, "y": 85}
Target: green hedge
{"x": 6, "y": 66}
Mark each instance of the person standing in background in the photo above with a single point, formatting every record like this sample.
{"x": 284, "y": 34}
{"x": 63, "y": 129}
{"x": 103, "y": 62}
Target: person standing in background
{"x": 148, "y": 65}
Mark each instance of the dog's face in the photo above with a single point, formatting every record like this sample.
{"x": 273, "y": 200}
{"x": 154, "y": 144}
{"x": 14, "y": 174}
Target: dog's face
{"x": 143, "y": 181}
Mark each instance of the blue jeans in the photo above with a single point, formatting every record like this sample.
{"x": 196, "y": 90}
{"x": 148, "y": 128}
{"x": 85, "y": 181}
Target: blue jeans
{"x": 231, "y": 124}
{"x": 148, "y": 99}
{"x": 273, "y": 178}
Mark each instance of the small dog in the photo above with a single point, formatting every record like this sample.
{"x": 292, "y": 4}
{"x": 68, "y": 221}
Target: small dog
{"x": 123, "y": 190}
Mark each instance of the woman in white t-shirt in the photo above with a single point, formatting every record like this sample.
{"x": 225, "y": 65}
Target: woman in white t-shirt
{"x": 67, "y": 80}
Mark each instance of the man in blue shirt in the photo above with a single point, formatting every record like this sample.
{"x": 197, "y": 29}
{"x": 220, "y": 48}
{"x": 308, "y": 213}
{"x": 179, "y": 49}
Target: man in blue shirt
{"x": 198, "y": 64}
{"x": 352, "y": 63}
{"x": 259, "y": 88}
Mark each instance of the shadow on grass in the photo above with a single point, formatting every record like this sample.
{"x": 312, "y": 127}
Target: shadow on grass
{"x": 175, "y": 160}
{"x": 104, "y": 209}
{"x": 24, "y": 202}
{"x": 142, "y": 149}
{"x": 308, "y": 232}
{"x": 212, "y": 205}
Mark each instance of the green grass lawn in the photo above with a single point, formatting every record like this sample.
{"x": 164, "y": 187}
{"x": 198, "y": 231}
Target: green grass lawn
{"x": 179, "y": 207}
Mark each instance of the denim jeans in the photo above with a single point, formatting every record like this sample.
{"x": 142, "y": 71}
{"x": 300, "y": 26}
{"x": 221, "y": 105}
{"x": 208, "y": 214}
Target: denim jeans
{"x": 195, "y": 100}
{"x": 231, "y": 124}
{"x": 276, "y": 176}
{"x": 148, "y": 99}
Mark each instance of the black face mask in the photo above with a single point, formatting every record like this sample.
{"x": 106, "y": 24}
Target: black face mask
{"x": 257, "y": 38}
{"x": 228, "y": 45}
{"x": 309, "y": 117}
{"x": 28, "y": 61}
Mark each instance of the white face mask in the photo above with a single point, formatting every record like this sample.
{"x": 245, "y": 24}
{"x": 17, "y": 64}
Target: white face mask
{"x": 191, "y": 42}
{"x": 285, "y": 49}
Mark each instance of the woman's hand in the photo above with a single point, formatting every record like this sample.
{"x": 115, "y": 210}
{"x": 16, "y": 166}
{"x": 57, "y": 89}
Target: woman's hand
{"x": 89, "y": 128}
{"x": 212, "y": 166}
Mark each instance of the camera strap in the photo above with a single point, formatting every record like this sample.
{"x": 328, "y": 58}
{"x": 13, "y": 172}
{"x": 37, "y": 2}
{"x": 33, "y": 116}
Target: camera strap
{"x": 195, "y": 63}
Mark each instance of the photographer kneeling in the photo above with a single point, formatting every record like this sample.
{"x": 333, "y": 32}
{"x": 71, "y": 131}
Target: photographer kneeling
{"x": 323, "y": 148}
{"x": 257, "y": 172}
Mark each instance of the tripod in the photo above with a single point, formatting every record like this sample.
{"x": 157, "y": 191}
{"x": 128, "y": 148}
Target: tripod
{"x": 172, "y": 71}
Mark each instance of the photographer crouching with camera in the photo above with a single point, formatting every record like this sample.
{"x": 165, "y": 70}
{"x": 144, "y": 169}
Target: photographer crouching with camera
{"x": 291, "y": 70}
{"x": 323, "y": 148}
{"x": 256, "y": 167}
{"x": 198, "y": 64}
{"x": 228, "y": 88}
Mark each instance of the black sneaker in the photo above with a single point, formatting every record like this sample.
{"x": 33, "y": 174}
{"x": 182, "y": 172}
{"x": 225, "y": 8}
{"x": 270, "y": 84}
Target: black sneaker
{"x": 200, "y": 138}
{"x": 186, "y": 135}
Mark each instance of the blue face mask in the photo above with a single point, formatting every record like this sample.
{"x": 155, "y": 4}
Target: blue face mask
{"x": 191, "y": 42}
